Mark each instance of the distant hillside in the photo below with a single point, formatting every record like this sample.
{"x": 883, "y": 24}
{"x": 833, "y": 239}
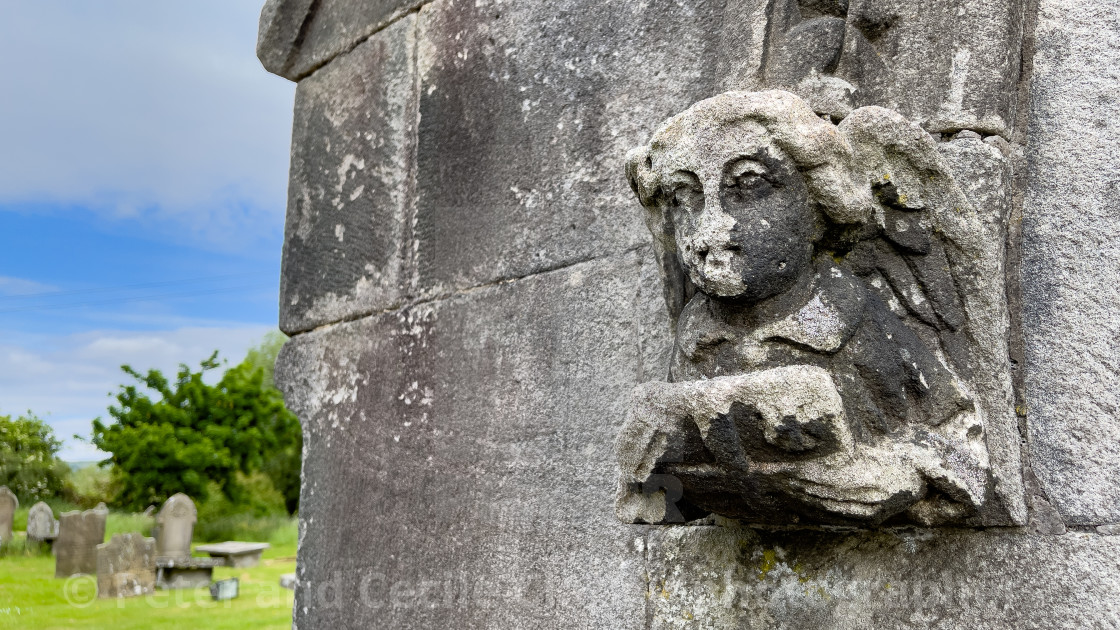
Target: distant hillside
{"x": 76, "y": 466}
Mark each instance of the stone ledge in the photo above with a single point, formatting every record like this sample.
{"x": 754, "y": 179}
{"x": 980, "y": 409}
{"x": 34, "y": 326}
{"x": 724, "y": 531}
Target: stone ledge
{"x": 723, "y": 577}
{"x": 297, "y": 37}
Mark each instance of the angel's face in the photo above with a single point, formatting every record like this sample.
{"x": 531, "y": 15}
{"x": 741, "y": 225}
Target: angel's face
{"x": 740, "y": 209}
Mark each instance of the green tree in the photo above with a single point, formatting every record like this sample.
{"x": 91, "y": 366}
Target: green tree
{"x": 188, "y": 436}
{"x": 263, "y": 355}
{"x": 29, "y": 463}
{"x": 282, "y": 464}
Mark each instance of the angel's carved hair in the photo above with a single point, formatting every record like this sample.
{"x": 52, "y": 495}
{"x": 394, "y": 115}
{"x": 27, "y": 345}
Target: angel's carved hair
{"x": 820, "y": 152}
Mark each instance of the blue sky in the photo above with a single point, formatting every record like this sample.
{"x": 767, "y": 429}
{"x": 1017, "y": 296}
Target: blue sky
{"x": 143, "y": 167}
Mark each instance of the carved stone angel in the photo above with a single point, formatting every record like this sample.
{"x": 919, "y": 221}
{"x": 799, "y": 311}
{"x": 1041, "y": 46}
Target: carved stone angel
{"x": 825, "y": 281}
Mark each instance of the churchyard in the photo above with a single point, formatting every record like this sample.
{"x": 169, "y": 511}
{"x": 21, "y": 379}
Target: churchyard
{"x": 101, "y": 568}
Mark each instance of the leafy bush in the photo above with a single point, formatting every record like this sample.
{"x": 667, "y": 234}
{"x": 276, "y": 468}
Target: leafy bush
{"x": 29, "y": 464}
{"x": 89, "y": 485}
{"x": 192, "y": 437}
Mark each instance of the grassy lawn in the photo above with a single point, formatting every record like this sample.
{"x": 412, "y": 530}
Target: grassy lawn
{"x": 31, "y": 598}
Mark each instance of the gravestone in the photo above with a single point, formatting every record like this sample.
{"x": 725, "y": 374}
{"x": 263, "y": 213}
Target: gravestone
{"x": 42, "y": 526}
{"x": 79, "y": 534}
{"x": 175, "y": 523}
{"x": 175, "y": 568}
{"x": 126, "y": 566}
{"x": 8, "y": 505}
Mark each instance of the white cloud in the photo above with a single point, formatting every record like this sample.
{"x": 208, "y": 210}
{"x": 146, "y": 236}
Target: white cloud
{"x": 157, "y": 110}
{"x": 20, "y": 286}
{"x": 68, "y": 380}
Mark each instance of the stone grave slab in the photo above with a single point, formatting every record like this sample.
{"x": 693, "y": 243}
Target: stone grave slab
{"x": 241, "y": 555}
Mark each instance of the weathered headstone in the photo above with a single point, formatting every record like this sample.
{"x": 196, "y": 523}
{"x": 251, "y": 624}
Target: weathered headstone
{"x": 8, "y": 505}
{"x": 176, "y": 521}
{"x": 42, "y": 526}
{"x": 175, "y": 568}
{"x": 126, "y": 566}
{"x": 79, "y": 534}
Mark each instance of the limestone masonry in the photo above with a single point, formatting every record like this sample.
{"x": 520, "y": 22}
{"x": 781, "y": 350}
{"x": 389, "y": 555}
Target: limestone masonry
{"x": 703, "y": 314}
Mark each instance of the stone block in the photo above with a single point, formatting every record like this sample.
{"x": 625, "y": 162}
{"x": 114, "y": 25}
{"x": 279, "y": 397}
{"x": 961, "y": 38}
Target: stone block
{"x": 458, "y": 468}
{"x": 527, "y": 110}
{"x": 79, "y": 534}
{"x": 298, "y": 36}
{"x": 346, "y": 233}
{"x": 727, "y": 577}
{"x": 126, "y": 566}
{"x": 1071, "y": 232}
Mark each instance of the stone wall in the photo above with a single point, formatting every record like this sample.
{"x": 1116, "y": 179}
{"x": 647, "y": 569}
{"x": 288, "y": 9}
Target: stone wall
{"x": 472, "y": 296}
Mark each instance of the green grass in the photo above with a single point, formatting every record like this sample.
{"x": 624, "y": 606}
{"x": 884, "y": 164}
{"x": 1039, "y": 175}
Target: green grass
{"x": 31, "y": 598}
{"x": 242, "y": 527}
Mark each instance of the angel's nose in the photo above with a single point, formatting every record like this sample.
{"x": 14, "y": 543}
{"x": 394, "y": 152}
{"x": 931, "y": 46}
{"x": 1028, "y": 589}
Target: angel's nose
{"x": 715, "y": 230}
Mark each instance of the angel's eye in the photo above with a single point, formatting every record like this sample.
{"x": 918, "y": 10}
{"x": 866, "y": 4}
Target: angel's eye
{"x": 747, "y": 181}
{"x": 744, "y": 174}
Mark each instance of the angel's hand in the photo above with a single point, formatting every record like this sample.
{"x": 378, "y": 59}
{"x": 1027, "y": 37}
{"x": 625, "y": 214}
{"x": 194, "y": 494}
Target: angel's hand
{"x": 801, "y": 410}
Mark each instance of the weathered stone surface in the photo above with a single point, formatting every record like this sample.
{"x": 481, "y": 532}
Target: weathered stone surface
{"x": 840, "y": 54}
{"x": 235, "y": 554}
{"x": 1071, "y": 232}
{"x": 982, "y": 168}
{"x": 175, "y": 526}
{"x": 946, "y": 65}
{"x": 716, "y": 577}
{"x": 41, "y": 523}
{"x": 298, "y": 36}
{"x": 126, "y": 566}
{"x": 655, "y": 330}
{"x": 525, "y": 119}
{"x": 8, "y": 505}
{"x": 347, "y": 226}
{"x": 79, "y": 534}
{"x": 467, "y": 444}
